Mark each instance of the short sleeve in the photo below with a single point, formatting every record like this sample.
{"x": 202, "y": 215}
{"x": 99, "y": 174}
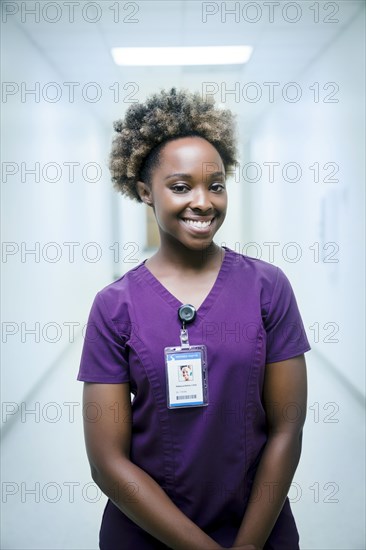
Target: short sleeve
{"x": 286, "y": 335}
{"x": 104, "y": 358}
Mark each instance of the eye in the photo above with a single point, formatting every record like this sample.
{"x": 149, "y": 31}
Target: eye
{"x": 180, "y": 188}
{"x": 218, "y": 187}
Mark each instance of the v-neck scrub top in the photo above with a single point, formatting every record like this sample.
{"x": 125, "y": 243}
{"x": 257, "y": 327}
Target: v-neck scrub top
{"x": 204, "y": 458}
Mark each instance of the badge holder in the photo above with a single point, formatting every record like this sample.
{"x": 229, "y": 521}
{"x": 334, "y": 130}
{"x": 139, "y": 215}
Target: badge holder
{"x": 186, "y": 368}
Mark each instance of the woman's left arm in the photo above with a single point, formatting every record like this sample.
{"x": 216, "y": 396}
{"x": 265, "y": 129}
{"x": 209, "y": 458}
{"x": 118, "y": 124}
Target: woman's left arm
{"x": 284, "y": 395}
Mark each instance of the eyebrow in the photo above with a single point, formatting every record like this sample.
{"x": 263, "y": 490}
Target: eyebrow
{"x": 215, "y": 174}
{"x": 179, "y": 175}
{"x": 189, "y": 177}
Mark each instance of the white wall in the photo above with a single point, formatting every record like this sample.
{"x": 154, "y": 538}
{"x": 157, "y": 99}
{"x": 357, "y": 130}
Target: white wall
{"x": 41, "y": 449}
{"x": 36, "y": 213}
{"x": 329, "y": 289}
{"x": 328, "y": 489}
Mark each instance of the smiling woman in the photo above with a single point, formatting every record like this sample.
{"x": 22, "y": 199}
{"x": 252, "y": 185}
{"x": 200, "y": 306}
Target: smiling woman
{"x": 189, "y": 204}
{"x": 205, "y": 461}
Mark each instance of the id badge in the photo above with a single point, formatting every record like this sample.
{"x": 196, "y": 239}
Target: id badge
{"x": 186, "y": 376}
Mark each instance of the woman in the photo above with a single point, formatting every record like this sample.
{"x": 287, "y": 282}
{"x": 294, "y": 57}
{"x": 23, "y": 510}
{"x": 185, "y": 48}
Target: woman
{"x": 214, "y": 475}
{"x": 187, "y": 373}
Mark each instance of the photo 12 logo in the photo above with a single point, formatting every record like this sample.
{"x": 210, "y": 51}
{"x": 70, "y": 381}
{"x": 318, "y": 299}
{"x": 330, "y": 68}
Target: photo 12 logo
{"x": 270, "y": 12}
{"x": 271, "y": 91}
{"x": 70, "y": 12}
{"x": 69, "y": 92}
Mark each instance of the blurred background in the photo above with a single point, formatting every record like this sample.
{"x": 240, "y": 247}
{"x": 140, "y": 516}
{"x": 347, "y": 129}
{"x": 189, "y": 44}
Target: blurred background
{"x": 296, "y": 199}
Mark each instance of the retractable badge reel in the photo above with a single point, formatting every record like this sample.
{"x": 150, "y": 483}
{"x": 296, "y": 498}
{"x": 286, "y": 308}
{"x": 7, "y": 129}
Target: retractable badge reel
{"x": 186, "y": 368}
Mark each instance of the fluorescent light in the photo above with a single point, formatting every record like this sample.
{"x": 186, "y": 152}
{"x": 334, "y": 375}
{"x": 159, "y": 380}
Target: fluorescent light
{"x": 207, "y": 55}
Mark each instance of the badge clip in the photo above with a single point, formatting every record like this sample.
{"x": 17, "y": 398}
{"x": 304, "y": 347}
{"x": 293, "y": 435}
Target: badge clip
{"x": 186, "y": 314}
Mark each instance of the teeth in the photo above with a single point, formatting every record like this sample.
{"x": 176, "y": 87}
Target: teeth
{"x": 196, "y": 223}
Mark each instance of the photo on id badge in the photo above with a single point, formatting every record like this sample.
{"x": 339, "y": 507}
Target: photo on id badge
{"x": 185, "y": 373}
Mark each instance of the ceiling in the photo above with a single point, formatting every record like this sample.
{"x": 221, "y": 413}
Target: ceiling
{"x": 76, "y": 49}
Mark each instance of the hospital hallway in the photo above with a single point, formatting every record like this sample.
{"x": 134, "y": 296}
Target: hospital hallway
{"x": 296, "y": 200}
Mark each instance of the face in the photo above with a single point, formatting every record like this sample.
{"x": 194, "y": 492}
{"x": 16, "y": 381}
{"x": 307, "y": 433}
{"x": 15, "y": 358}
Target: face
{"x": 188, "y": 193}
{"x": 186, "y": 372}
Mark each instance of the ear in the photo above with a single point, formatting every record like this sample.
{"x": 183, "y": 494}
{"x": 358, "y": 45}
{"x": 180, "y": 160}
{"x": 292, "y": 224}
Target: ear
{"x": 144, "y": 192}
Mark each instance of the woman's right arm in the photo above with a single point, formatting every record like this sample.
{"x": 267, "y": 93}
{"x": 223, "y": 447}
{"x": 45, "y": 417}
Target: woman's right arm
{"x": 107, "y": 429}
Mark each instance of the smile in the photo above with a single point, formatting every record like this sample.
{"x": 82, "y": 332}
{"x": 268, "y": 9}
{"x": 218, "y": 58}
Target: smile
{"x": 197, "y": 223}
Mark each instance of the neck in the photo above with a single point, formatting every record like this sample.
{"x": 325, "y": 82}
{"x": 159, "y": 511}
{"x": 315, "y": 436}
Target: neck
{"x": 177, "y": 255}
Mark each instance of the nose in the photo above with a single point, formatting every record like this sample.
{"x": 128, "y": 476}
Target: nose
{"x": 201, "y": 199}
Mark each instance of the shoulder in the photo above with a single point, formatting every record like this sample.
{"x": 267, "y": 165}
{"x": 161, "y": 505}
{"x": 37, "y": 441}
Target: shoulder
{"x": 116, "y": 299}
{"x": 122, "y": 286}
{"x": 265, "y": 281}
{"x": 254, "y": 270}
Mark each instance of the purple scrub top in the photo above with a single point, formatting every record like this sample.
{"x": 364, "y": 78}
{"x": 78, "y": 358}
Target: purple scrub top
{"x": 204, "y": 458}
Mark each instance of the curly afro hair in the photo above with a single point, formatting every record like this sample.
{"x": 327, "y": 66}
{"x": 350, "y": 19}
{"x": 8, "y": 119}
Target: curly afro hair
{"x": 165, "y": 116}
